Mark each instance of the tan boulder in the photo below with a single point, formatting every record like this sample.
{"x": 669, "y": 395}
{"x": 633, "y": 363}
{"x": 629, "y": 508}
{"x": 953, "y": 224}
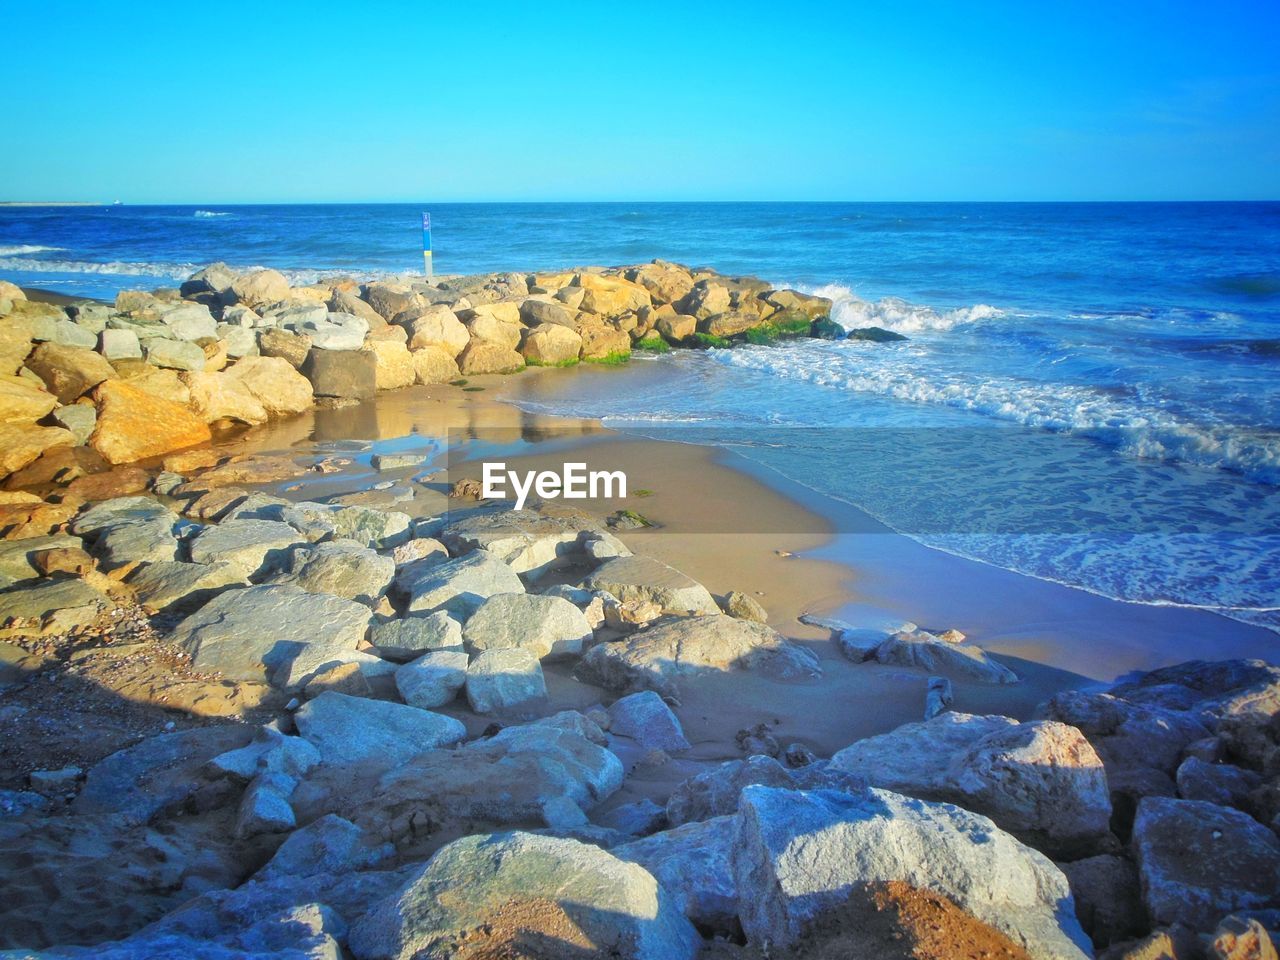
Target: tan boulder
{"x": 437, "y": 326}
{"x": 552, "y": 281}
{"x": 812, "y": 307}
{"x": 571, "y": 297}
{"x": 344, "y": 301}
{"x": 160, "y": 382}
{"x": 11, "y": 291}
{"x": 133, "y": 424}
{"x": 504, "y": 311}
{"x": 550, "y": 343}
{"x": 611, "y": 296}
{"x": 292, "y": 347}
{"x": 677, "y": 327}
{"x": 494, "y": 330}
{"x": 69, "y": 372}
{"x": 729, "y": 324}
{"x": 706, "y": 299}
{"x": 433, "y": 364}
{"x": 22, "y": 401}
{"x": 215, "y": 397}
{"x": 394, "y": 364}
{"x": 665, "y": 282}
{"x": 280, "y": 388}
{"x": 259, "y": 288}
{"x": 22, "y": 443}
{"x": 15, "y": 344}
{"x": 600, "y": 342}
{"x": 485, "y": 356}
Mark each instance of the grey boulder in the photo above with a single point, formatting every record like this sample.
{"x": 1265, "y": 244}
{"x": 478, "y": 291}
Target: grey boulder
{"x": 350, "y": 730}
{"x": 545, "y": 626}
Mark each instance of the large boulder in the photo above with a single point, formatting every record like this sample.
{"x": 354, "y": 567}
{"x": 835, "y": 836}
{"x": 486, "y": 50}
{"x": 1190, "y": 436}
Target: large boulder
{"x": 1213, "y": 690}
{"x": 69, "y": 372}
{"x": 174, "y": 587}
{"x": 926, "y": 652}
{"x": 799, "y": 855}
{"x": 505, "y": 681}
{"x": 532, "y": 544}
{"x": 643, "y": 578}
{"x": 175, "y": 354}
{"x": 284, "y": 345}
{"x": 407, "y": 638}
{"x": 611, "y": 296}
{"x": 486, "y": 356}
{"x": 666, "y": 282}
{"x": 393, "y": 365}
{"x": 433, "y": 679}
{"x": 551, "y": 344}
{"x": 1041, "y": 781}
{"x": 190, "y": 321}
{"x": 273, "y": 382}
{"x": 134, "y": 424}
{"x": 545, "y": 626}
{"x": 341, "y": 568}
{"x": 365, "y": 525}
{"x": 458, "y": 586}
{"x": 252, "y": 546}
{"x": 715, "y": 792}
{"x": 603, "y": 342}
{"x": 813, "y": 307}
{"x": 276, "y": 632}
{"x": 694, "y": 864}
{"x": 257, "y": 288}
{"x": 24, "y": 443}
{"x": 342, "y": 374}
{"x": 352, "y": 730}
{"x": 432, "y": 364}
{"x": 646, "y": 719}
{"x": 1199, "y": 862}
{"x": 705, "y": 299}
{"x": 437, "y": 326}
{"x": 675, "y": 651}
{"x": 505, "y": 893}
{"x": 22, "y": 401}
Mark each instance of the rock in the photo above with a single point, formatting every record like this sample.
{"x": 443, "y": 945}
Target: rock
{"x": 666, "y": 282}
{"x": 215, "y": 278}
{"x": 643, "y": 578}
{"x": 190, "y": 321}
{"x": 1218, "y": 783}
{"x": 393, "y": 365}
{"x": 20, "y": 803}
{"x": 433, "y": 364}
{"x": 388, "y": 299}
{"x": 165, "y": 384}
{"x": 269, "y": 751}
{"x": 706, "y": 299}
{"x": 23, "y": 443}
{"x": 637, "y": 819}
{"x": 544, "y": 626}
{"x": 282, "y": 344}
{"x": 611, "y": 296}
{"x": 175, "y": 354}
{"x": 551, "y": 344}
{"x": 267, "y": 387}
{"x": 1241, "y": 938}
{"x": 485, "y": 356}
{"x": 272, "y": 632}
{"x": 744, "y": 607}
{"x": 1199, "y": 861}
{"x": 715, "y": 792}
{"x": 55, "y": 560}
{"x": 694, "y": 864}
{"x": 140, "y": 541}
{"x": 341, "y": 568}
{"x": 433, "y": 679}
{"x": 1041, "y": 781}
{"x": 251, "y": 546}
{"x": 729, "y": 324}
{"x": 258, "y": 288}
{"x": 532, "y": 544}
{"x": 676, "y": 327}
{"x": 513, "y": 889}
{"x": 602, "y": 342}
{"x": 345, "y": 374}
{"x": 73, "y": 599}
{"x": 158, "y": 775}
{"x": 669, "y": 653}
{"x": 373, "y": 528}
{"x": 815, "y": 308}
{"x": 133, "y": 424}
{"x": 350, "y": 730}
{"x": 348, "y": 678}
{"x": 799, "y": 854}
{"x": 458, "y": 586}
{"x": 79, "y": 418}
{"x": 540, "y": 309}
{"x": 438, "y": 327}
{"x": 1213, "y": 690}
{"x": 264, "y": 807}
{"x": 53, "y": 783}
{"x": 407, "y": 638}
{"x": 1105, "y": 889}
{"x": 647, "y": 720}
{"x": 505, "y": 681}
{"x": 69, "y": 372}
{"x": 938, "y": 697}
{"x": 926, "y": 652}
{"x": 22, "y": 401}
{"x": 874, "y": 335}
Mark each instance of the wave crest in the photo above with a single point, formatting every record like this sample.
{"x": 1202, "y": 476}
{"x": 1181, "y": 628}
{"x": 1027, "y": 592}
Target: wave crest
{"x": 893, "y": 313}
{"x": 24, "y": 248}
{"x": 211, "y": 213}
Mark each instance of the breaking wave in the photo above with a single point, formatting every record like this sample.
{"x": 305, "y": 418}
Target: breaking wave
{"x": 25, "y": 248}
{"x": 211, "y": 213}
{"x": 896, "y": 314}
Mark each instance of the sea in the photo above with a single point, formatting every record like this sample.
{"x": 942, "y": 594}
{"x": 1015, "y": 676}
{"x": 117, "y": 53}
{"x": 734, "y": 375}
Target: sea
{"x": 1088, "y": 393}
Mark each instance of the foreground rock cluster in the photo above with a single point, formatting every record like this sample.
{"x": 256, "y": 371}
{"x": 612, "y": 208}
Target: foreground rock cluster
{"x": 411, "y": 791}
{"x": 153, "y": 372}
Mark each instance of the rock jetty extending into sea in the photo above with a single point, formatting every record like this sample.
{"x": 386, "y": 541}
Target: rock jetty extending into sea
{"x": 153, "y": 373}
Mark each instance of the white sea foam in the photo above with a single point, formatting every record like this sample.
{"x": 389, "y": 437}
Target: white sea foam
{"x": 112, "y": 268}
{"x": 25, "y": 248}
{"x": 896, "y": 314}
{"x": 211, "y": 213}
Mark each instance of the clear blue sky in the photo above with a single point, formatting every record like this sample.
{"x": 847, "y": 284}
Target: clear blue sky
{"x": 236, "y": 102}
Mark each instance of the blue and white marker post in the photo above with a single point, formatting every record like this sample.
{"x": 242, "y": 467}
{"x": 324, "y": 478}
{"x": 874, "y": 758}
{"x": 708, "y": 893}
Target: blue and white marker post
{"x": 426, "y": 246}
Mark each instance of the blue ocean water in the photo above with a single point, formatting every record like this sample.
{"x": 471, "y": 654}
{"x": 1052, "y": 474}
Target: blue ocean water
{"x": 1119, "y": 362}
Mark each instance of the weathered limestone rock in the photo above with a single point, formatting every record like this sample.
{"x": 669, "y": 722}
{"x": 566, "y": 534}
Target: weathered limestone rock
{"x": 677, "y": 327}
{"x": 706, "y": 299}
{"x": 715, "y": 792}
{"x": 676, "y": 651}
{"x": 190, "y": 321}
{"x": 69, "y": 372}
{"x": 22, "y": 443}
{"x": 799, "y": 855}
{"x": 505, "y": 681}
{"x": 22, "y": 401}
{"x": 603, "y": 342}
{"x": 540, "y": 309}
{"x": 41, "y": 598}
{"x": 349, "y": 730}
{"x": 258, "y": 288}
{"x": 434, "y": 365}
{"x": 557, "y": 888}
{"x": 332, "y": 331}
{"x": 407, "y": 638}
{"x": 744, "y": 607}
{"x": 389, "y": 299}
{"x": 173, "y": 587}
{"x": 647, "y": 720}
{"x": 273, "y": 382}
{"x": 666, "y": 282}
{"x": 458, "y": 586}
{"x": 551, "y": 344}
{"x": 251, "y": 546}
{"x": 813, "y": 307}
{"x": 340, "y": 568}
{"x": 433, "y": 679}
{"x": 485, "y": 356}
{"x": 1199, "y": 862}
{"x": 344, "y": 374}
{"x": 437, "y": 326}
{"x": 175, "y": 354}
{"x": 275, "y": 632}
{"x": 290, "y": 347}
{"x": 393, "y": 365}
{"x": 133, "y": 424}
{"x": 611, "y": 296}
{"x": 694, "y": 864}
{"x": 545, "y": 626}
{"x": 79, "y": 418}
{"x": 643, "y": 578}
{"x": 927, "y": 652}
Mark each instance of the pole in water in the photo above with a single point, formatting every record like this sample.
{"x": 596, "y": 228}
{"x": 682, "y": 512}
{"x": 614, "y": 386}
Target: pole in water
{"x": 426, "y": 246}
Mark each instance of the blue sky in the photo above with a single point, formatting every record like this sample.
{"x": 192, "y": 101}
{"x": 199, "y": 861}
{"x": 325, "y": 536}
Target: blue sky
{"x": 236, "y": 102}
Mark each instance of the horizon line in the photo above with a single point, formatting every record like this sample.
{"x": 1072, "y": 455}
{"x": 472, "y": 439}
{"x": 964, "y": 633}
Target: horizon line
{"x": 19, "y": 204}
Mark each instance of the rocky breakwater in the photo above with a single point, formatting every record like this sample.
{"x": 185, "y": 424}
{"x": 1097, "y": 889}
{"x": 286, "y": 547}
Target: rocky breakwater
{"x": 390, "y": 773}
